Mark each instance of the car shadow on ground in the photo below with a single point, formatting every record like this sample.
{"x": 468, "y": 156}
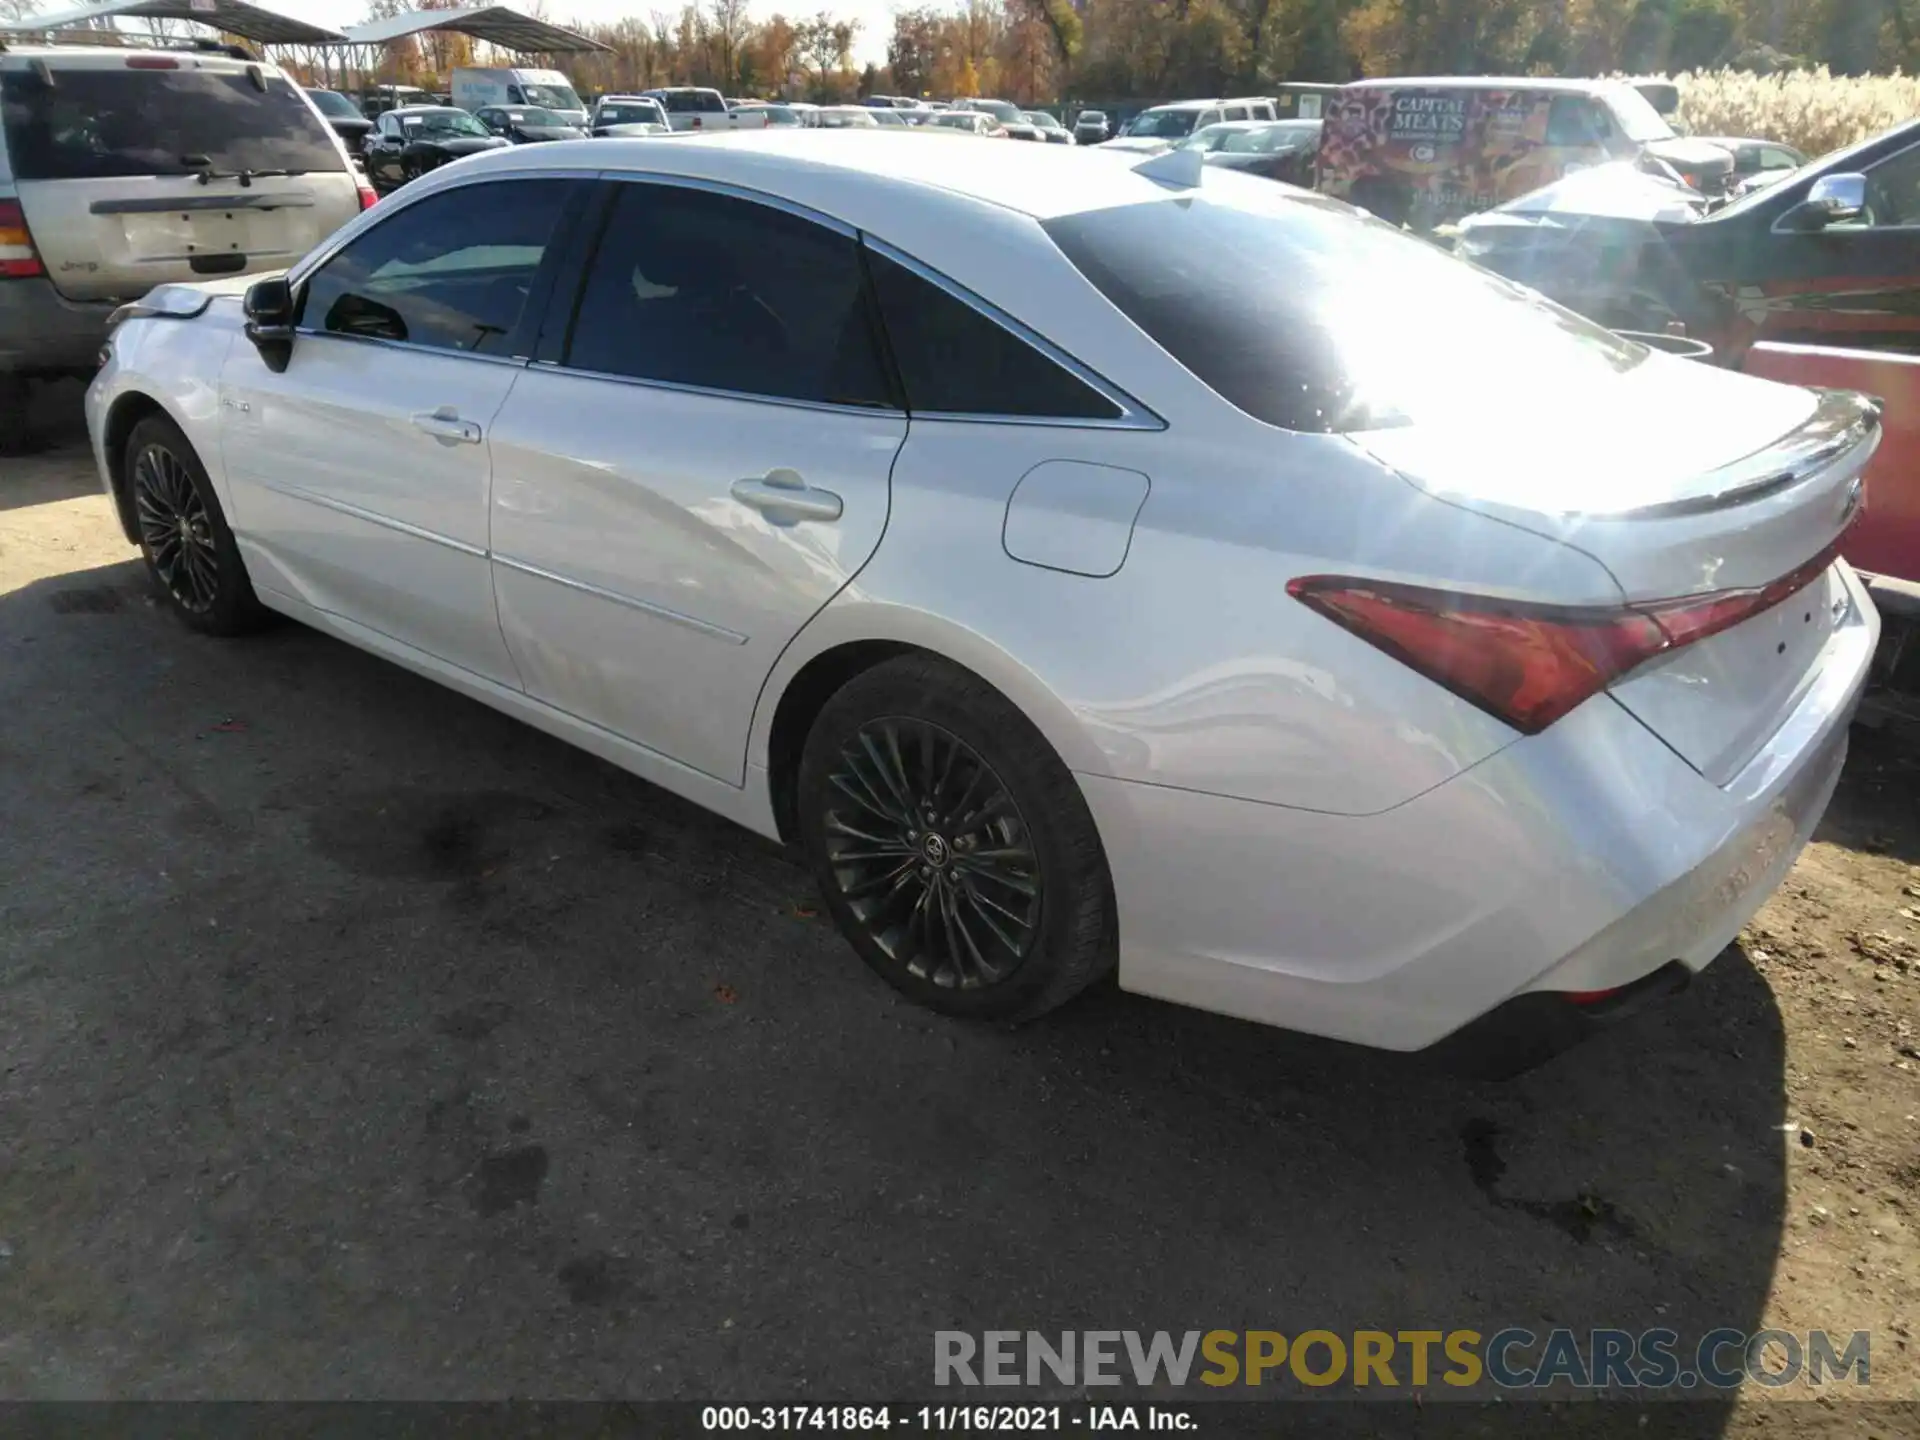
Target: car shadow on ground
{"x": 364, "y": 1042}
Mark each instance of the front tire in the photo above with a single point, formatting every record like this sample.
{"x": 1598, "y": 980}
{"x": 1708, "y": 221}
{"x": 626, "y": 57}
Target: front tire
{"x": 190, "y": 552}
{"x": 952, "y": 846}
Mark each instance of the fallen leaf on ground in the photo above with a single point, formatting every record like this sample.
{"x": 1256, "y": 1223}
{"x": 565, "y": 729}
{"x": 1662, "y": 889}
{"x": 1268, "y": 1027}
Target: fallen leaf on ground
{"x": 725, "y": 994}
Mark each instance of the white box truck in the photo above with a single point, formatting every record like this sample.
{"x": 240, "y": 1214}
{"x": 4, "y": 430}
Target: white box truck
{"x": 547, "y": 89}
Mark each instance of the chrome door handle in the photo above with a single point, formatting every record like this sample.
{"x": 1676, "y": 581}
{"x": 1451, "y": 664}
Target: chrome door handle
{"x": 446, "y": 424}
{"x": 783, "y": 495}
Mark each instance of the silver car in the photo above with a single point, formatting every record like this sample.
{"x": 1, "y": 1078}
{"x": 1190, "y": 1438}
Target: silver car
{"x": 1317, "y": 629}
{"x": 122, "y": 169}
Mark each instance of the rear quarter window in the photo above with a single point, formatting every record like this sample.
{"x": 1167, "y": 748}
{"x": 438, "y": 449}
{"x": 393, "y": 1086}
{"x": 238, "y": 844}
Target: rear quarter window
{"x": 93, "y": 124}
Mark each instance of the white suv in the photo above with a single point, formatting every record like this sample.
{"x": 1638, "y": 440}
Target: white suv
{"x": 121, "y": 169}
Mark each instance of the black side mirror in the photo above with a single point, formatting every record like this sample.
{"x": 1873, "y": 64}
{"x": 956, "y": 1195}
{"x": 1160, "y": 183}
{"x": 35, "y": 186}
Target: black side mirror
{"x": 269, "y": 307}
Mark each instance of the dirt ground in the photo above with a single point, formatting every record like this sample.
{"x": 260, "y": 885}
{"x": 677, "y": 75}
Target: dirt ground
{"x": 357, "y": 1041}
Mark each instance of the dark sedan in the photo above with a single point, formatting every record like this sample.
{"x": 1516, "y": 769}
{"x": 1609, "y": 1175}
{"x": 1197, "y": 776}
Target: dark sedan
{"x": 1276, "y": 149}
{"x": 344, "y": 116}
{"x": 408, "y": 142}
{"x": 1825, "y": 256}
{"x": 527, "y": 124}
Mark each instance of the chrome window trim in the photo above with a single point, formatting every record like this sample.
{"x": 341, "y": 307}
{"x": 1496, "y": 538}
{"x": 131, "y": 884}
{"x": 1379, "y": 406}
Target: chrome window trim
{"x": 385, "y": 522}
{"x": 1133, "y": 415}
{"x": 751, "y": 397}
{"x": 645, "y": 607}
{"x": 410, "y": 346}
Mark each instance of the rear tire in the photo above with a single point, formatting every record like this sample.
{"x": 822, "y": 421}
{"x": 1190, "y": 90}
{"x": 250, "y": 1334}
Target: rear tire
{"x": 190, "y": 552}
{"x": 952, "y": 846}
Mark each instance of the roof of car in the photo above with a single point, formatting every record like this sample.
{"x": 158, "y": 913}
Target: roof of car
{"x": 1184, "y": 105}
{"x": 115, "y": 57}
{"x": 1038, "y": 180}
{"x": 442, "y": 109}
{"x": 1487, "y": 82}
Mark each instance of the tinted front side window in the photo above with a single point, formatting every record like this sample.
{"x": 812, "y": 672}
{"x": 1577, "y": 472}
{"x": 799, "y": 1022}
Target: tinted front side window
{"x": 102, "y": 124}
{"x": 956, "y": 361}
{"x": 1308, "y": 317}
{"x": 452, "y": 271}
{"x": 711, "y": 290}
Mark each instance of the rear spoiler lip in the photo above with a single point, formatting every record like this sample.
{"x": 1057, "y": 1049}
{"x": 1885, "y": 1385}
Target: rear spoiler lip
{"x": 1841, "y": 423}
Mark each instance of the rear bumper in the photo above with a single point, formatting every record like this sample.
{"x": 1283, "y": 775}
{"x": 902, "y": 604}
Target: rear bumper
{"x": 42, "y": 333}
{"x": 1581, "y": 859}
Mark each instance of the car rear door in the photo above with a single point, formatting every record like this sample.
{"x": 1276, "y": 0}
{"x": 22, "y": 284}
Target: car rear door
{"x": 361, "y": 472}
{"x": 129, "y": 170}
{"x": 700, "y": 459}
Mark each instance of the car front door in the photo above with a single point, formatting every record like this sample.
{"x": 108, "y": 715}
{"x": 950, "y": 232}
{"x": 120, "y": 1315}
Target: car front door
{"x": 361, "y": 472}
{"x": 685, "y": 479}
{"x": 1855, "y": 285}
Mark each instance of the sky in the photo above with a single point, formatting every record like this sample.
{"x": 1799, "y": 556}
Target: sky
{"x": 875, "y": 16}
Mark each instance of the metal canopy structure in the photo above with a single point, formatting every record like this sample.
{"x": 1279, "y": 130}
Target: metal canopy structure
{"x": 490, "y": 24}
{"x": 235, "y": 17}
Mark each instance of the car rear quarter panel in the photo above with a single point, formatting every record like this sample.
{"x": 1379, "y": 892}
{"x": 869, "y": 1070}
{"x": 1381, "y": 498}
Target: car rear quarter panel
{"x": 1190, "y": 666}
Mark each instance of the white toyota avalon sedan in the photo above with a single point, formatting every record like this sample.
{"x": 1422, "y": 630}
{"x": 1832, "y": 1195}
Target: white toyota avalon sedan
{"x": 1081, "y": 564}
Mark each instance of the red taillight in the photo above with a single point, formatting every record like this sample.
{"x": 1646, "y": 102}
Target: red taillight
{"x": 152, "y": 62}
{"x": 1531, "y": 664}
{"x": 369, "y": 197}
{"x": 18, "y": 259}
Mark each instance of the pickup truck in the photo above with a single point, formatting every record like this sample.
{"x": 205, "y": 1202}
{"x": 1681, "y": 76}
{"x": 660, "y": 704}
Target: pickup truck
{"x": 693, "y": 107}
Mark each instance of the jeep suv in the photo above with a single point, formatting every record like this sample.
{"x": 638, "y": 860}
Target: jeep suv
{"x": 121, "y": 169}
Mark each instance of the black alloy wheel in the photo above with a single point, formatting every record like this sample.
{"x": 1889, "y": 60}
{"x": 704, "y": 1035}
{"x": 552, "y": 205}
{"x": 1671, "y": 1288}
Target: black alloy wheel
{"x": 951, "y": 845}
{"x": 931, "y": 854}
{"x": 189, "y": 550}
{"x": 175, "y": 528}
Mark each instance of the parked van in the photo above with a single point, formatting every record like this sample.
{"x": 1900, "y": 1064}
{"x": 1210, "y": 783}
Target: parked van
{"x": 1424, "y": 152}
{"x": 476, "y": 87}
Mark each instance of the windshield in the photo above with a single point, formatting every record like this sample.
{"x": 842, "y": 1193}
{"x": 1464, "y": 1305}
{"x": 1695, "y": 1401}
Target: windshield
{"x": 1209, "y": 138}
{"x": 1637, "y": 119}
{"x": 101, "y": 124}
{"x": 1092, "y": 117}
{"x": 332, "y": 103}
{"x": 693, "y": 102}
{"x": 536, "y": 117}
{"x": 1312, "y": 318}
{"x": 628, "y": 115}
{"x": 846, "y": 119}
{"x": 1043, "y": 120}
{"x": 448, "y": 122}
{"x": 553, "y": 97}
{"x": 1163, "y": 124}
{"x": 1004, "y": 111}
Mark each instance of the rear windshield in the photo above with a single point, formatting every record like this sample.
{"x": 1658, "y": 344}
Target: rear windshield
{"x": 333, "y": 103}
{"x": 1311, "y": 318}
{"x": 99, "y": 124}
{"x": 1164, "y": 124}
{"x": 694, "y": 102}
{"x": 628, "y": 115}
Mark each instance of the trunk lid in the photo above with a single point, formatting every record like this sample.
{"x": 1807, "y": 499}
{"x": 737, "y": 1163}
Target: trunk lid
{"x": 135, "y": 172}
{"x": 1685, "y": 482}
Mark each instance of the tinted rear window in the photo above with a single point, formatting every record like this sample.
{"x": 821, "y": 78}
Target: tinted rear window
{"x": 98, "y": 124}
{"x": 694, "y": 102}
{"x": 1308, "y": 317}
